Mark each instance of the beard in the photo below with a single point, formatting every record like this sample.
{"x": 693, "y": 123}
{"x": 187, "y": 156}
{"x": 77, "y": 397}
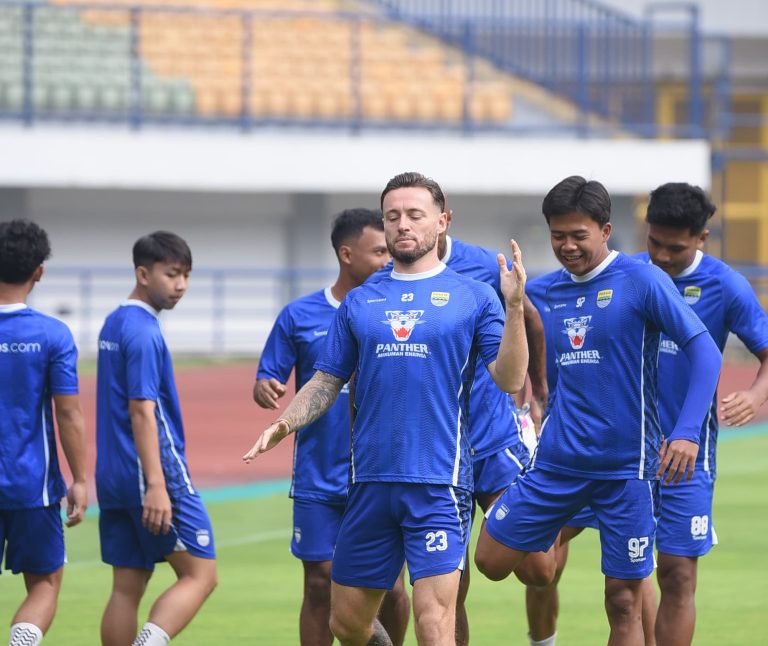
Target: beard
{"x": 412, "y": 255}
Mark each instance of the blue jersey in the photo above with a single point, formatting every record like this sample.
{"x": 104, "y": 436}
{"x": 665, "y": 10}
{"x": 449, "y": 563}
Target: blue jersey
{"x": 38, "y": 359}
{"x": 604, "y": 328}
{"x": 413, "y": 340}
{"x": 492, "y": 413}
{"x": 725, "y": 302}
{"x": 320, "y": 450}
{"x": 135, "y": 364}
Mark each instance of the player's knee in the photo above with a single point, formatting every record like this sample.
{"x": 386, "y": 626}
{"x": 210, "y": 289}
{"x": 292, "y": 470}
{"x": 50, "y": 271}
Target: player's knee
{"x": 537, "y": 570}
{"x": 622, "y": 604}
{"x": 677, "y": 582}
{"x": 317, "y": 589}
{"x": 434, "y": 624}
{"x": 347, "y": 628}
{"x": 490, "y": 566}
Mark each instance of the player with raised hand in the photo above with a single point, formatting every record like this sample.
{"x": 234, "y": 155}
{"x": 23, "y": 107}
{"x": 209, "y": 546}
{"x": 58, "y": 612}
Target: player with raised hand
{"x": 149, "y": 509}
{"x": 412, "y": 338}
{"x": 498, "y": 449}
{"x": 601, "y": 440}
{"x": 38, "y": 363}
{"x": 320, "y": 472}
{"x": 677, "y": 218}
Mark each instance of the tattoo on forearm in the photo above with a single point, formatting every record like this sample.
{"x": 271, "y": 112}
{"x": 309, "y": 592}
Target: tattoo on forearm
{"x": 313, "y": 400}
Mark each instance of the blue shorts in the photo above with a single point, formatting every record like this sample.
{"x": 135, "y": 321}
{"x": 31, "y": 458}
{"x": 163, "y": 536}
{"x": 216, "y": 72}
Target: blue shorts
{"x": 125, "y": 542}
{"x": 386, "y": 523}
{"x": 584, "y": 518}
{"x": 495, "y": 472}
{"x": 528, "y": 516}
{"x": 315, "y": 527}
{"x": 685, "y": 525}
{"x": 33, "y": 539}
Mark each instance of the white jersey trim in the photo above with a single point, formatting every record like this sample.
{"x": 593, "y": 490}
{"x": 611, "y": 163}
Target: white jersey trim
{"x": 47, "y": 451}
{"x": 707, "y": 434}
{"x": 597, "y": 270}
{"x": 693, "y": 266}
{"x": 421, "y": 275}
{"x": 331, "y": 298}
{"x": 641, "y": 471}
{"x": 135, "y": 302}
{"x": 457, "y": 458}
{"x": 167, "y": 430}
{"x": 12, "y": 307}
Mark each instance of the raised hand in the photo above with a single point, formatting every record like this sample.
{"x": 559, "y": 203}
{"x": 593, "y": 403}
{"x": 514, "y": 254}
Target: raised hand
{"x": 512, "y": 280}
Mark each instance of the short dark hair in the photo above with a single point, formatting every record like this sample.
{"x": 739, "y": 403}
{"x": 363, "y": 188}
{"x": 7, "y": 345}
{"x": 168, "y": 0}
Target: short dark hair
{"x": 24, "y": 247}
{"x": 577, "y": 195}
{"x": 407, "y": 180}
{"x": 680, "y": 205}
{"x": 349, "y": 224}
{"x": 161, "y": 246}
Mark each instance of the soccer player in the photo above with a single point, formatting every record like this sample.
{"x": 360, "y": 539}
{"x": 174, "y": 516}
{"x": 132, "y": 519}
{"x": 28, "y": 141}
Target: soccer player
{"x": 542, "y": 601}
{"x": 677, "y": 218}
{"x": 38, "y": 362}
{"x": 149, "y": 509}
{"x": 321, "y": 451}
{"x": 412, "y": 337}
{"x": 498, "y": 449}
{"x": 601, "y": 442}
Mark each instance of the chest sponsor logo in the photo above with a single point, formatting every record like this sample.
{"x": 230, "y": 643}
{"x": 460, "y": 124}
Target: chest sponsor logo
{"x": 580, "y": 301}
{"x": 439, "y": 299}
{"x": 692, "y": 294}
{"x": 576, "y": 328}
{"x": 402, "y": 324}
{"x": 668, "y": 346}
{"x": 604, "y": 297}
{"x": 320, "y": 332}
{"x": 376, "y": 300}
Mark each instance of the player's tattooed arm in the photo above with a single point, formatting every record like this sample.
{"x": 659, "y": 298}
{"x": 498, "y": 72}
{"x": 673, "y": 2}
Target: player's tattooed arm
{"x": 312, "y": 401}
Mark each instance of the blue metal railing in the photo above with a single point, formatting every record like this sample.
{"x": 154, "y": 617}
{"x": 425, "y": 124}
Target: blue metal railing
{"x": 227, "y": 310}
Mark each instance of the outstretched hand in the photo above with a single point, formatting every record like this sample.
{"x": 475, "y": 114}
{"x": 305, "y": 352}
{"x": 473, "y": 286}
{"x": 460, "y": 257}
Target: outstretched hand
{"x": 512, "y": 280}
{"x": 269, "y": 439}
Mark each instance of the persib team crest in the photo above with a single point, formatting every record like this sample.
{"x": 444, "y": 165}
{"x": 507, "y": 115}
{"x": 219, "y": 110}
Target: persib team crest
{"x": 692, "y": 294}
{"x": 402, "y": 323}
{"x": 576, "y": 329}
{"x": 604, "y": 297}
{"x": 439, "y": 299}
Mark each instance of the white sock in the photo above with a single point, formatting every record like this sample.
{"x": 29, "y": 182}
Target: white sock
{"x": 151, "y": 635}
{"x": 25, "y": 634}
{"x": 549, "y": 641}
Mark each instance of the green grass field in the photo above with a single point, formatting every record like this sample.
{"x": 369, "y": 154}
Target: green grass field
{"x": 258, "y": 596}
